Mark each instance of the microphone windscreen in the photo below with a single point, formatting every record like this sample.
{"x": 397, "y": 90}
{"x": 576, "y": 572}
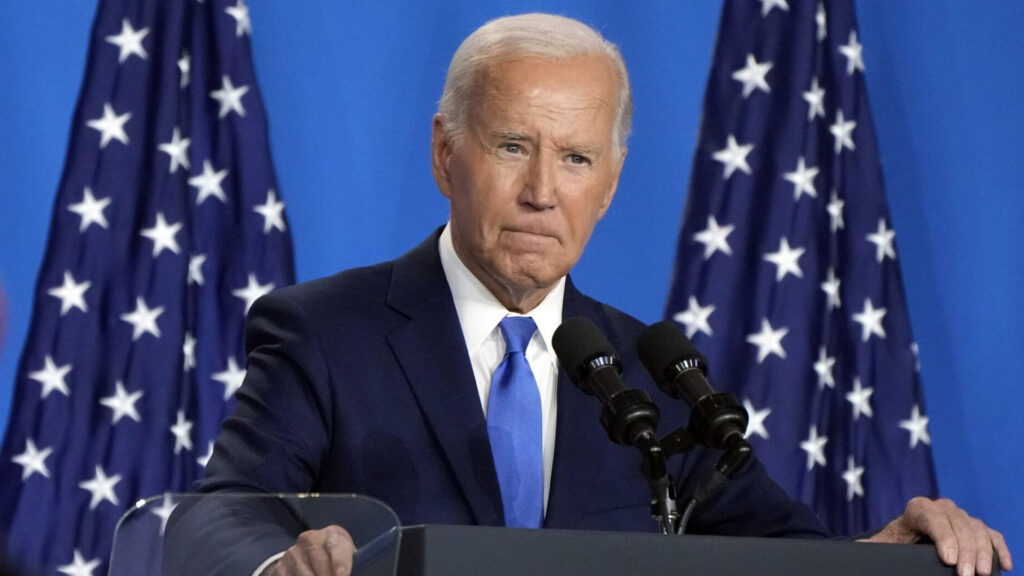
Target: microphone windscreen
{"x": 577, "y": 341}
{"x": 663, "y": 344}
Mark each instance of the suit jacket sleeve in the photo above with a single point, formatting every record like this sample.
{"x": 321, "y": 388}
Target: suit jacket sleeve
{"x": 272, "y": 444}
{"x": 751, "y": 504}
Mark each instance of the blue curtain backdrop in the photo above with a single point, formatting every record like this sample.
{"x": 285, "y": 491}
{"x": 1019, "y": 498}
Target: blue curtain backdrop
{"x": 350, "y": 89}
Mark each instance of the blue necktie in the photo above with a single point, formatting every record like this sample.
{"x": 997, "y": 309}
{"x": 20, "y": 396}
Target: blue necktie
{"x": 515, "y": 429}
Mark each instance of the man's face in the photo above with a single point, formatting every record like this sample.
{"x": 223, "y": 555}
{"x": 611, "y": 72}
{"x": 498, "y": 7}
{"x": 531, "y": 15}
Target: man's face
{"x": 532, "y": 173}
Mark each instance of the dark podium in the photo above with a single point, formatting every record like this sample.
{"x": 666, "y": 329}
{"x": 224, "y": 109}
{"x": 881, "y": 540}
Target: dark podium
{"x": 457, "y": 550}
{"x": 385, "y": 549}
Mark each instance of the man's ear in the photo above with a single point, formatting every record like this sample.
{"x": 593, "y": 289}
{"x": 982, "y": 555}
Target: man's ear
{"x": 441, "y": 155}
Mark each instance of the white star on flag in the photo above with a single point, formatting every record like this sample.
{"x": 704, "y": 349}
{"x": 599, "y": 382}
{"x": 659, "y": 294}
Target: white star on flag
{"x": 870, "y": 320}
{"x": 823, "y": 368}
{"x": 714, "y": 238}
{"x": 821, "y": 22}
{"x": 815, "y": 98}
{"x": 695, "y": 318}
{"x": 177, "y": 149}
{"x": 272, "y": 212}
{"x": 182, "y": 430}
{"x": 163, "y": 511}
{"x": 129, "y": 41}
{"x": 102, "y": 488}
{"x": 831, "y": 288}
{"x": 768, "y": 341}
{"x": 188, "y": 351}
{"x": 240, "y": 12}
{"x": 71, "y": 294}
{"x": 52, "y": 377}
{"x": 883, "y": 241}
{"x": 802, "y": 179}
{"x": 185, "y": 69}
{"x": 33, "y": 460}
{"x": 195, "y": 269}
{"x": 91, "y": 210}
{"x": 786, "y": 260}
{"x": 842, "y": 131}
{"x": 252, "y": 291}
{"x": 232, "y": 378}
{"x": 814, "y": 446}
{"x": 205, "y": 458}
{"x": 122, "y": 403}
{"x": 162, "y": 234}
{"x": 917, "y": 425}
{"x": 753, "y": 76}
{"x": 143, "y": 319}
{"x": 852, "y": 477}
{"x": 860, "y": 398}
{"x": 110, "y": 126}
{"x": 208, "y": 183}
{"x": 767, "y": 5}
{"x": 230, "y": 98}
{"x": 755, "y": 425}
{"x": 733, "y": 157}
{"x": 835, "y": 212}
{"x": 853, "y": 52}
{"x": 79, "y": 566}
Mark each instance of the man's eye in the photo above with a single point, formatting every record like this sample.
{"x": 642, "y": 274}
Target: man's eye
{"x": 579, "y": 159}
{"x": 512, "y": 148}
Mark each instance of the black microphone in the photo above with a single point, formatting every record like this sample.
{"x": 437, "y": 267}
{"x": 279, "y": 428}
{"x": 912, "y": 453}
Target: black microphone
{"x": 716, "y": 420}
{"x": 629, "y": 416}
{"x": 679, "y": 370}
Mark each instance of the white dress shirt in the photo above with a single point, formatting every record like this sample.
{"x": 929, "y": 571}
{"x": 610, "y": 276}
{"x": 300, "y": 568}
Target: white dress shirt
{"x": 479, "y": 314}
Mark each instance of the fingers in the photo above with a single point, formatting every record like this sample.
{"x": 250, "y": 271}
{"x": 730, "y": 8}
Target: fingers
{"x": 978, "y": 556}
{"x": 341, "y": 549}
{"x": 999, "y": 543}
{"x": 931, "y": 518}
{"x": 960, "y": 539}
{"x": 326, "y": 552}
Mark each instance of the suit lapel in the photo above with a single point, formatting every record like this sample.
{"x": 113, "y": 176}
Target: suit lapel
{"x": 431, "y": 349}
{"x": 579, "y": 439}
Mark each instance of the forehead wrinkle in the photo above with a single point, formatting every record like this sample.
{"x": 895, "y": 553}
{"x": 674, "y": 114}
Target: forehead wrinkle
{"x": 523, "y": 119}
{"x": 505, "y": 109}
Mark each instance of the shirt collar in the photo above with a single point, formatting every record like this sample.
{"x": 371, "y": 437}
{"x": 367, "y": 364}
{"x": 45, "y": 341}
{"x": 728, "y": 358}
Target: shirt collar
{"x": 480, "y": 312}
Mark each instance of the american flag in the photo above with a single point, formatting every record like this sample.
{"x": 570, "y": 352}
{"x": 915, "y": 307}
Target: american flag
{"x": 786, "y": 274}
{"x": 167, "y": 225}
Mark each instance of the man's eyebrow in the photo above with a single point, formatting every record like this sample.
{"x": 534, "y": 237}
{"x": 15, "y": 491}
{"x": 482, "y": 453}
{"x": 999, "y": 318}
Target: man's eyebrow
{"x": 508, "y": 135}
{"x": 585, "y": 149}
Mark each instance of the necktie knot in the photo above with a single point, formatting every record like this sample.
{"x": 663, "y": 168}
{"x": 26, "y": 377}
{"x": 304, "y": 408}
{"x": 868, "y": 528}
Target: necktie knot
{"x": 517, "y": 331}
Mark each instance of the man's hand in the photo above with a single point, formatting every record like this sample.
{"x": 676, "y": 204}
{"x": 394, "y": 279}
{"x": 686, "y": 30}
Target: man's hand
{"x": 960, "y": 540}
{"x": 326, "y": 552}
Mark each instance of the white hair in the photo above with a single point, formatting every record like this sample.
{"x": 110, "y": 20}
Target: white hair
{"x": 544, "y": 35}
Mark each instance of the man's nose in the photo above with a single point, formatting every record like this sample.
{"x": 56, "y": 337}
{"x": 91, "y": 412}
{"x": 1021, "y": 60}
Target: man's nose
{"x": 539, "y": 186}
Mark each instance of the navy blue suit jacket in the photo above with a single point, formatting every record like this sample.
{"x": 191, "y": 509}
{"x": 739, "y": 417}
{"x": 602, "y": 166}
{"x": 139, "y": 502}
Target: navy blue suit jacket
{"x": 361, "y": 382}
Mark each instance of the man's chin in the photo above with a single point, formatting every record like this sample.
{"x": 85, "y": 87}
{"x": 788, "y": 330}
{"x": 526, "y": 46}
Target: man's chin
{"x": 534, "y": 273}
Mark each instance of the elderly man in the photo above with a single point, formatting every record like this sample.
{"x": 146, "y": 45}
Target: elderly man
{"x": 405, "y": 381}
